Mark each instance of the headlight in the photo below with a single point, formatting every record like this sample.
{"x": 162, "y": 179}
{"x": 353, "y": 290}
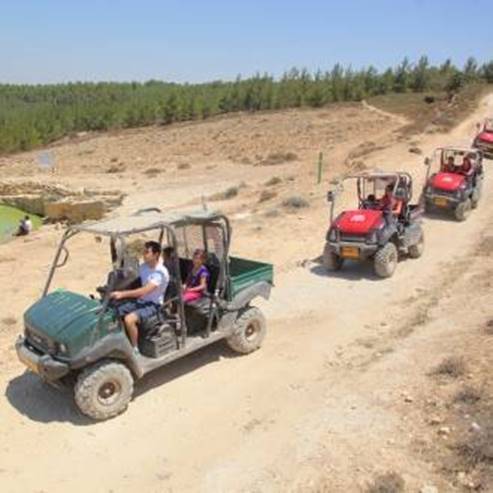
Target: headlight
{"x": 61, "y": 348}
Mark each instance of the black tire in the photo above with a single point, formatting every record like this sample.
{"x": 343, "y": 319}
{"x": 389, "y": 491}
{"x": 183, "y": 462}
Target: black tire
{"x": 385, "y": 260}
{"x": 416, "y": 250}
{"x": 463, "y": 210}
{"x": 104, "y": 390}
{"x": 249, "y": 331}
{"x": 331, "y": 260}
{"x": 475, "y": 198}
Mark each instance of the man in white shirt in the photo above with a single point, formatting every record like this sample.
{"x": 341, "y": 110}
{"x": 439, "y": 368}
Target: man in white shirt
{"x": 144, "y": 302}
{"x": 28, "y": 225}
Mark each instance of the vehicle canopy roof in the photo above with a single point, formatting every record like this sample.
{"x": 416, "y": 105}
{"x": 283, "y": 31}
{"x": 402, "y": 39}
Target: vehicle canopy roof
{"x": 148, "y": 219}
{"x": 380, "y": 175}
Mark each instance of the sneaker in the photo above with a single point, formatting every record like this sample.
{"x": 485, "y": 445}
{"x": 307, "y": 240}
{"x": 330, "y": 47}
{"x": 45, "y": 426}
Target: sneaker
{"x": 136, "y": 351}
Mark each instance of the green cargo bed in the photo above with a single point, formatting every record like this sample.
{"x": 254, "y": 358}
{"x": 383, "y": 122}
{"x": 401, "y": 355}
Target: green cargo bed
{"x": 245, "y": 273}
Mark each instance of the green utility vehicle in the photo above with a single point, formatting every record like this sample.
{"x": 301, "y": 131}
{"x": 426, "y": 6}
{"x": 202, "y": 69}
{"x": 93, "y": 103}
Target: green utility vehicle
{"x": 80, "y": 340}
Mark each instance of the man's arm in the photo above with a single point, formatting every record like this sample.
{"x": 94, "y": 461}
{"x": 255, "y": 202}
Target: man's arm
{"x": 134, "y": 293}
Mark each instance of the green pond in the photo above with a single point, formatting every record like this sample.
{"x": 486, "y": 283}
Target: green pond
{"x": 9, "y": 220}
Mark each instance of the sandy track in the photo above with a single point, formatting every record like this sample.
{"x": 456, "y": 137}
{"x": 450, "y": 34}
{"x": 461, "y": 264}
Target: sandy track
{"x": 215, "y": 422}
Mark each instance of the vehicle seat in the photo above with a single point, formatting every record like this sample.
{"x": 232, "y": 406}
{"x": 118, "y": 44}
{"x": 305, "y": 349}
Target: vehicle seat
{"x": 197, "y": 312}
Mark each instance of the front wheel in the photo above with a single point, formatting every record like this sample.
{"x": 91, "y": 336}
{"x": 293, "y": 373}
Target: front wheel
{"x": 475, "y": 198}
{"x": 416, "y": 250}
{"x": 249, "y": 331}
{"x": 386, "y": 260}
{"x": 463, "y": 210}
{"x": 104, "y": 390}
{"x": 331, "y": 260}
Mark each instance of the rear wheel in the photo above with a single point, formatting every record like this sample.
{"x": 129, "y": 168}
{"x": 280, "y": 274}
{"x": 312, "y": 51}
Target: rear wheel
{"x": 416, "y": 250}
{"x": 475, "y": 198}
{"x": 104, "y": 390}
{"x": 249, "y": 331}
{"x": 463, "y": 210}
{"x": 386, "y": 260}
{"x": 331, "y": 260}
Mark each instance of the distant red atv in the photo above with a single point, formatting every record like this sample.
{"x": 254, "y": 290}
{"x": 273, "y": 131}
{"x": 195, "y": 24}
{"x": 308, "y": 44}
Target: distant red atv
{"x": 484, "y": 140}
{"x": 456, "y": 186}
{"x": 384, "y": 224}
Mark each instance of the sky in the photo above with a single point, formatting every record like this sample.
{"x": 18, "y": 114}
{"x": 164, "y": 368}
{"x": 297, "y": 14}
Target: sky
{"x": 52, "y": 41}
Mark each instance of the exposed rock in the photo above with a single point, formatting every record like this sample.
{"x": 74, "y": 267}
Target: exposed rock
{"x": 55, "y": 202}
{"x": 75, "y": 212}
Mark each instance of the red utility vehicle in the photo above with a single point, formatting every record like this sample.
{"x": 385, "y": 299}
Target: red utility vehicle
{"x": 484, "y": 139}
{"x": 383, "y": 225}
{"x": 456, "y": 186}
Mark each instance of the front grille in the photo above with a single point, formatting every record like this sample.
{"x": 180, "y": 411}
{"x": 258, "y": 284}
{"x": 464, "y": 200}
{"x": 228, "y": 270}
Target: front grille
{"x": 353, "y": 238}
{"x": 39, "y": 341}
{"x": 444, "y": 193}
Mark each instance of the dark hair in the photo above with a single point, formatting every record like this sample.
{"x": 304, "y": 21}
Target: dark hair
{"x": 201, "y": 252}
{"x": 168, "y": 251}
{"x": 154, "y": 246}
{"x": 26, "y": 217}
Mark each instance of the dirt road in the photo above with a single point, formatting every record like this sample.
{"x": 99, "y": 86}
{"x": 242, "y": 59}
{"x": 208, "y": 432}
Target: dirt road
{"x": 314, "y": 402}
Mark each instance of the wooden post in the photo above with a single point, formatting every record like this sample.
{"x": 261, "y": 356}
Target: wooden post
{"x": 320, "y": 165}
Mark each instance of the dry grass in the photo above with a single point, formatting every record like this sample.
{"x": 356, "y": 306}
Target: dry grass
{"x": 275, "y": 180}
{"x": 390, "y": 482}
{"x": 229, "y": 193}
{"x": 452, "y": 366}
{"x": 295, "y": 202}
{"x": 9, "y": 321}
{"x": 477, "y": 447}
{"x": 275, "y": 158}
{"x": 467, "y": 395}
{"x": 266, "y": 195}
{"x": 153, "y": 171}
{"x": 116, "y": 168}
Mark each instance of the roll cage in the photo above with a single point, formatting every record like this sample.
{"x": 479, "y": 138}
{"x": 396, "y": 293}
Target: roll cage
{"x": 370, "y": 183}
{"x": 440, "y": 156}
{"x": 169, "y": 225}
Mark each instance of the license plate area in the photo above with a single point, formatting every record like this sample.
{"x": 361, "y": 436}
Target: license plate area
{"x": 350, "y": 252}
{"x": 440, "y": 202}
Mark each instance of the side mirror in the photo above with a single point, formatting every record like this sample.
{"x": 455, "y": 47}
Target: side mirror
{"x": 427, "y": 161}
{"x": 330, "y": 196}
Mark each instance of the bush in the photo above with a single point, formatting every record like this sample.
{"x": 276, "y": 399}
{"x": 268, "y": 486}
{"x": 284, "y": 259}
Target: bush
{"x": 152, "y": 171}
{"x": 275, "y": 180}
{"x": 387, "y": 483}
{"x": 229, "y": 193}
{"x": 295, "y": 202}
{"x": 266, "y": 195}
{"x": 453, "y": 366}
{"x": 278, "y": 158}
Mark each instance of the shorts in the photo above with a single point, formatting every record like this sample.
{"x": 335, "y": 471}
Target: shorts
{"x": 143, "y": 309}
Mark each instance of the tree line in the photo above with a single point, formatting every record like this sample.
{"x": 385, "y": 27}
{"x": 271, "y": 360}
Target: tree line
{"x": 34, "y": 115}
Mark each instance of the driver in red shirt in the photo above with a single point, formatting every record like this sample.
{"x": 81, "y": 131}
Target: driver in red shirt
{"x": 466, "y": 167}
{"x": 389, "y": 202}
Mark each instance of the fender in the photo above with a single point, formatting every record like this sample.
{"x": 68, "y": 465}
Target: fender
{"x": 244, "y": 297}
